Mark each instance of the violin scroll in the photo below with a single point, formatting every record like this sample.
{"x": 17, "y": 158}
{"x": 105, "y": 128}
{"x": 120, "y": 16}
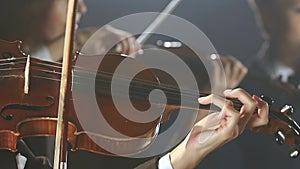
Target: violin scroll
{"x": 284, "y": 128}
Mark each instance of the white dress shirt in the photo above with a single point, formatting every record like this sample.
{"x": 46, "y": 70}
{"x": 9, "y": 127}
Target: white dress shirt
{"x": 164, "y": 162}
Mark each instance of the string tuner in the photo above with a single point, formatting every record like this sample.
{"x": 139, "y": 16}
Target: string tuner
{"x": 287, "y": 109}
{"x": 279, "y": 137}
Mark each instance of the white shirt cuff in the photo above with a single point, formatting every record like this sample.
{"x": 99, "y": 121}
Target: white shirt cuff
{"x": 164, "y": 162}
{"x": 21, "y": 161}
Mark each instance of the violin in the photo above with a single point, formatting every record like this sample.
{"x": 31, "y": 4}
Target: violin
{"x": 34, "y": 113}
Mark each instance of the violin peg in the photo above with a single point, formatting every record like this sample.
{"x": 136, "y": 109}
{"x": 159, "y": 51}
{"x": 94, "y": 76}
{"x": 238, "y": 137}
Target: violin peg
{"x": 279, "y": 137}
{"x": 287, "y": 109}
{"x": 267, "y": 99}
{"x": 294, "y": 153}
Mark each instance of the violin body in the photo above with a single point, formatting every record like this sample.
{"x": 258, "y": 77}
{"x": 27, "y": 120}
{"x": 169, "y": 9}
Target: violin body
{"x": 35, "y": 114}
{"x": 31, "y": 114}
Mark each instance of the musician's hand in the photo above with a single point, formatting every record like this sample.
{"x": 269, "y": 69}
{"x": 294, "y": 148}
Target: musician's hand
{"x": 261, "y": 118}
{"x": 258, "y": 119}
{"x": 234, "y": 71}
{"x": 128, "y": 44}
{"x": 107, "y": 39}
{"x": 215, "y": 129}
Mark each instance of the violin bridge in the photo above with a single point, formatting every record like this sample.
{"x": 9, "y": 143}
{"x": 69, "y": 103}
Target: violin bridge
{"x": 26, "y": 75}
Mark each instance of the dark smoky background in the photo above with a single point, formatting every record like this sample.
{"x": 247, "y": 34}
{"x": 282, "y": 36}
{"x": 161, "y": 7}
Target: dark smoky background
{"x": 230, "y": 24}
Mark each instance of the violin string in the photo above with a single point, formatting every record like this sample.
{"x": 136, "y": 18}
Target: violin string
{"x": 141, "y": 95}
{"x": 168, "y": 87}
{"x": 165, "y": 86}
{"x": 147, "y": 82}
{"x": 136, "y": 93}
{"x": 85, "y": 71}
{"x": 101, "y": 72}
{"x": 171, "y": 89}
{"x": 23, "y": 61}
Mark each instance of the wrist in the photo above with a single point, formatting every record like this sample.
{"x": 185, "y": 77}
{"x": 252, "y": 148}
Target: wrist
{"x": 181, "y": 158}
